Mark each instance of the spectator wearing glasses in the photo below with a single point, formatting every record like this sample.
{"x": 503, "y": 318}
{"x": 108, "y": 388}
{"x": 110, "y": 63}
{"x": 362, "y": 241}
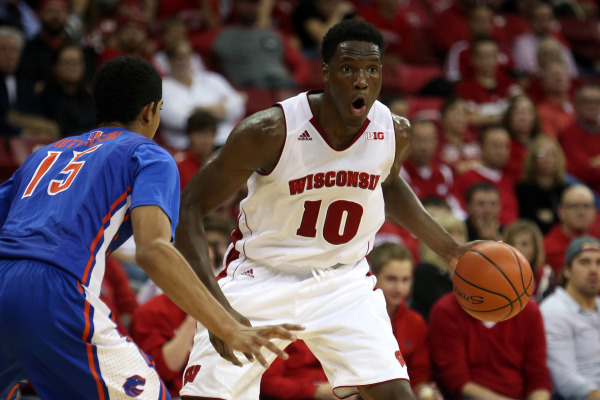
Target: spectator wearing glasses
{"x": 576, "y": 213}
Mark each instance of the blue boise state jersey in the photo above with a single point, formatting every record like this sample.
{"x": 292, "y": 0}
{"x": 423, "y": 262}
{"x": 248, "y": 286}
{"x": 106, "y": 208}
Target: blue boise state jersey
{"x": 69, "y": 204}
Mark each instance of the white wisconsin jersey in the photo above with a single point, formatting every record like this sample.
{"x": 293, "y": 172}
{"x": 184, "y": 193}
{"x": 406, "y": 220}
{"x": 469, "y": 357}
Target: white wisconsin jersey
{"x": 319, "y": 207}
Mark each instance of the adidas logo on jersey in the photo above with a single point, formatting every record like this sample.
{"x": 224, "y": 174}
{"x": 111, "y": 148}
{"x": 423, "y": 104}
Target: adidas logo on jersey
{"x": 304, "y": 136}
{"x": 249, "y": 273}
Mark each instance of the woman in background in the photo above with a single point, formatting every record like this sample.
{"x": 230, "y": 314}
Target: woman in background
{"x": 526, "y": 237}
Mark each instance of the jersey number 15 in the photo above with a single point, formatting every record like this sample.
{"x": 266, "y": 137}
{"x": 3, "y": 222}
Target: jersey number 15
{"x": 56, "y": 185}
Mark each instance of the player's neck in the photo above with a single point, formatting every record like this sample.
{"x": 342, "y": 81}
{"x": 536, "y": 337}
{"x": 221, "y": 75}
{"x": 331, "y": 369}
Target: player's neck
{"x": 338, "y": 131}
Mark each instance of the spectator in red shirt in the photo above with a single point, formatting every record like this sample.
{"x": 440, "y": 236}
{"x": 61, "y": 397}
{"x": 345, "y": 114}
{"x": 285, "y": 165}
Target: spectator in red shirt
{"x": 581, "y": 140}
{"x": 489, "y": 89}
{"x": 389, "y": 18}
{"x": 300, "y": 377}
{"x": 483, "y": 210}
{"x": 130, "y": 39}
{"x": 489, "y": 360}
{"x": 423, "y": 173}
{"x": 458, "y": 147}
{"x": 392, "y": 265}
{"x": 201, "y": 128}
{"x": 555, "y": 109}
{"x": 523, "y": 125}
{"x": 495, "y": 152}
{"x": 577, "y": 214}
{"x": 458, "y": 62}
{"x": 451, "y": 25}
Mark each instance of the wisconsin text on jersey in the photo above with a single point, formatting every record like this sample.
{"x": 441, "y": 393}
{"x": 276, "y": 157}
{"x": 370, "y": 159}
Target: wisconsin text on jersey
{"x": 95, "y": 136}
{"x": 361, "y": 180}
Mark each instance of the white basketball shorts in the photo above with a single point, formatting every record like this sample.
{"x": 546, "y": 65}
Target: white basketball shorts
{"x": 347, "y": 329}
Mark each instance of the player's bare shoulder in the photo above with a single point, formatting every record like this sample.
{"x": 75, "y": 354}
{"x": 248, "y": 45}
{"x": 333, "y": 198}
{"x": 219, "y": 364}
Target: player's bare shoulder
{"x": 403, "y": 138}
{"x": 258, "y": 139}
{"x": 402, "y": 128}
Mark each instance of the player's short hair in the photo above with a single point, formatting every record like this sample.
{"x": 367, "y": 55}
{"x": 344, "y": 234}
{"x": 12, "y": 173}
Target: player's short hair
{"x": 386, "y": 252}
{"x": 201, "y": 121}
{"x": 122, "y": 87}
{"x": 350, "y": 30}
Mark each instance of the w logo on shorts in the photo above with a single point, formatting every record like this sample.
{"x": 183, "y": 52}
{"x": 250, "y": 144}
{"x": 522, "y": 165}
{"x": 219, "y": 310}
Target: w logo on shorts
{"x": 131, "y": 385}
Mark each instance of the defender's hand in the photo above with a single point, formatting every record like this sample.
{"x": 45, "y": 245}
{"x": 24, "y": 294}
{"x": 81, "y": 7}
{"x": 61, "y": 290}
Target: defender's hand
{"x": 223, "y": 348}
{"x": 250, "y": 340}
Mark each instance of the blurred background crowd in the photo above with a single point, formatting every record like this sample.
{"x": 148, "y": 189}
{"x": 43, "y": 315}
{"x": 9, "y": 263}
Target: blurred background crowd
{"x": 504, "y": 101}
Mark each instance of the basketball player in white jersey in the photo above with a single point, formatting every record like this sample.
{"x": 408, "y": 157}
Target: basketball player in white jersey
{"x": 318, "y": 168}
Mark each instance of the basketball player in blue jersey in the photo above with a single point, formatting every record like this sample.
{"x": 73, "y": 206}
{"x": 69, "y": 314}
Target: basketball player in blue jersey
{"x": 69, "y": 205}
{"x": 318, "y": 168}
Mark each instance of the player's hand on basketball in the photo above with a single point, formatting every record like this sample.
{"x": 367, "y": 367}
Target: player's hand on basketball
{"x": 250, "y": 340}
{"x": 462, "y": 249}
{"x": 223, "y": 348}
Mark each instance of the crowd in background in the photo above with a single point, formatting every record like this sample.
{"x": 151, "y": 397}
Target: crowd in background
{"x": 504, "y": 102}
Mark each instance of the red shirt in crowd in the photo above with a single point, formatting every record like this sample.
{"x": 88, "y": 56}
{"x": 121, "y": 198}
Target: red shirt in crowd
{"x": 582, "y": 153}
{"x": 410, "y": 330}
{"x": 395, "y": 30}
{"x": 503, "y": 181}
{"x": 394, "y": 233}
{"x": 514, "y": 166}
{"x": 188, "y": 165}
{"x": 295, "y": 378}
{"x": 153, "y": 325}
{"x": 554, "y": 117}
{"x": 471, "y": 90}
{"x": 508, "y": 357}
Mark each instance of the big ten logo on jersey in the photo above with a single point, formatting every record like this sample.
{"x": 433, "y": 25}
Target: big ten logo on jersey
{"x": 374, "y": 135}
{"x": 190, "y": 373}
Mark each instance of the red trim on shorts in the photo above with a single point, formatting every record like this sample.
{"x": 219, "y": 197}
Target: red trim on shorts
{"x": 90, "y": 351}
{"x": 100, "y": 234}
{"x": 370, "y": 384}
{"x": 12, "y": 391}
{"x": 200, "y": 398}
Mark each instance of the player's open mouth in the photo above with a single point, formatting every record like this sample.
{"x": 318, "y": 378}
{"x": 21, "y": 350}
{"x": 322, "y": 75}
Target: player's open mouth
{"x": 359, "y": 106}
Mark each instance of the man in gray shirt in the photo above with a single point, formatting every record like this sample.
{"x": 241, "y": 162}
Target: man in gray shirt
{"x": 572, "y": 322}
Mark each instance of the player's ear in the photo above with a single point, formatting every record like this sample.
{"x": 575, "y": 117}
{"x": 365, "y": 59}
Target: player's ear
{"x": 147, "y": 112}
{"x": 325, "y": 72}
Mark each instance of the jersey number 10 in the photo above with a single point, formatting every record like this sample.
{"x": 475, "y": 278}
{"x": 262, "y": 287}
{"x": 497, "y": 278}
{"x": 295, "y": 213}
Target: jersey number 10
{"x": 333, "y": 220}
{"x": 71, "y": 170}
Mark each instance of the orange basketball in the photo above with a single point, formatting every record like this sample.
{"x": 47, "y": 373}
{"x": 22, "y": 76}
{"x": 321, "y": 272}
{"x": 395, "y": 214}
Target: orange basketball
{"x": 493, "y": 281}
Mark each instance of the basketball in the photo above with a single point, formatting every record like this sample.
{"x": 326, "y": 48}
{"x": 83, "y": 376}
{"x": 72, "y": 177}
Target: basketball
{"x": 493, "y": 281}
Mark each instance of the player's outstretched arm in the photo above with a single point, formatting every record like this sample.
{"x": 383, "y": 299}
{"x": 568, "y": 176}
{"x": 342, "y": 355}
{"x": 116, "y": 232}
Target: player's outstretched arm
{"x": 169, "y": 270}
{"x": 254, "y": 145}
{"x": 404, "y": 208}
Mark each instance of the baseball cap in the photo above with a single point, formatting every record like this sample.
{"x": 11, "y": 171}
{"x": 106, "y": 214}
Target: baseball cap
{"x": 579, "y": 245}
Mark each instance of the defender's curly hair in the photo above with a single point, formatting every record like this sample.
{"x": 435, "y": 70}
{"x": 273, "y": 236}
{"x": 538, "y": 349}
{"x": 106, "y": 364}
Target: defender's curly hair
{"x": 350, "y": 30}
{"x": 122, "y": 87}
